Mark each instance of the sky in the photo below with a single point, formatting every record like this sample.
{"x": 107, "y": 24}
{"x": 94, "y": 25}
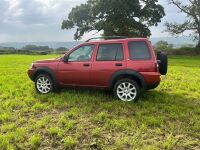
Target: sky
{"x": 40, "y": 20}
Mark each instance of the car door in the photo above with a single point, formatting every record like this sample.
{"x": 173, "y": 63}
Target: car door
{"x": 141, "y": 57}
{"x": 77, "y": 70}
{"x": 109, "y": 59}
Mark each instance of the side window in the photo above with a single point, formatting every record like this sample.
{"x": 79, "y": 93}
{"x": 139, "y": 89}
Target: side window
{"x": 139, "y": 50}
{"x": 83, "y": 53}
{"x": 110, "y": 52}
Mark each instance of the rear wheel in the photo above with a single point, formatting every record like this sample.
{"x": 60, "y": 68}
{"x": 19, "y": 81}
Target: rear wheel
{"x": 127, "y": 90}
{"x": 43, "y": 84}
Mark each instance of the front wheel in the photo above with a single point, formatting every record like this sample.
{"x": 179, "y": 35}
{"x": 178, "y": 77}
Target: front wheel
{"x": 127, "y": 90}
{"x": 43, "y": 84}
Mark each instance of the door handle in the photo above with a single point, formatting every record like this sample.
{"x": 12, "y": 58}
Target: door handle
{"x": 86, "y": 65}
{"x": 118, "y": 64}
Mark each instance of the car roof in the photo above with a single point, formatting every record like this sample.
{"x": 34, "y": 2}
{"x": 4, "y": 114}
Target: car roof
{"x": 116, "y": 40}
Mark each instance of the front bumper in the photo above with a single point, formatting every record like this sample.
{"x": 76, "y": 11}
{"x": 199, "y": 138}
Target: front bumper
{"x": 30, "y": 73}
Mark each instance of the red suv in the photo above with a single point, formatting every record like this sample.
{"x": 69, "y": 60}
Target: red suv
{"x": 128, "y": 66}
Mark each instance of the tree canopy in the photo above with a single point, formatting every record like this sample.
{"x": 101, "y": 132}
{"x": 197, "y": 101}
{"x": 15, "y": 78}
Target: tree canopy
{"x": 130, "y": 18}
{"x": 35, "y": 47}
{"x": 163, "y": 46}
{"x": 192, "y": 21}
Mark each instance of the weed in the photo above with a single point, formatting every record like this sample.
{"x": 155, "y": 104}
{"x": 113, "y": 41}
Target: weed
{"x": 73, "y": 113}
{"x": 96, "y": 131}
{"x": 70, "y": 142}
{"x": 55, "y": 131}
{"x": 35, "y": 141}
{"x": 101, "y": 117}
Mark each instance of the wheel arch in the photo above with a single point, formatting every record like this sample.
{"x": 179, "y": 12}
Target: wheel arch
{"x": 131, "y": 74}
{"x": 47, "y": 71}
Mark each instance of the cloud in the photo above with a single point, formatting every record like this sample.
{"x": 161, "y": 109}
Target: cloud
{"x": 173, "y": 14}
{"x": 36, "y": 11}
{"x": 40, "y": 20}
{"x": 34, "y": 20}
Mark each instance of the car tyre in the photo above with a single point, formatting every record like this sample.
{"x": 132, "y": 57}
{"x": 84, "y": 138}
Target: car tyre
{"x": 44, "y": 84}
{"x": 163, "y": 63}
{"x": 127, "y": 90}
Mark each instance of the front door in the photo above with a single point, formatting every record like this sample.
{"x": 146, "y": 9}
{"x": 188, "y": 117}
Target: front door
{"x": 77, "y": 70}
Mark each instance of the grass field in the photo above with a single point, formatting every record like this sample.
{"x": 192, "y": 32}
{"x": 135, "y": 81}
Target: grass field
{"x": 165, "y": 118}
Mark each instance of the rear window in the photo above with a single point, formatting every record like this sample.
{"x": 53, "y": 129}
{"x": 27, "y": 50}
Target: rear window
{"x": 110, "y": 52}
{"x": 139, "y": 50}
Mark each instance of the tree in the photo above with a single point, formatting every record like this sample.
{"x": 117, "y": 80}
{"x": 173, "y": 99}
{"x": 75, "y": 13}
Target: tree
{"x": 7, "y": 48}
{"x": 35, "y": 47}
{"x": 192, "y": 22}
{"x": 163, "y": 46}
{"x": 62, "y": 49}
{"x": 30, "y": 47}
{"x": 130, "y": 18}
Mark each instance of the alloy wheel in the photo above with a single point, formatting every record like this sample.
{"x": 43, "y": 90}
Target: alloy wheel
{"x": 43, "y": 84}
{"x": 126, "y": 91}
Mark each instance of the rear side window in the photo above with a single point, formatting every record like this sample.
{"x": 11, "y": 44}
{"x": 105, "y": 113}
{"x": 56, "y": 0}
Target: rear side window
{"x": 110, "y": 52}
{"x": 139, "y": 50}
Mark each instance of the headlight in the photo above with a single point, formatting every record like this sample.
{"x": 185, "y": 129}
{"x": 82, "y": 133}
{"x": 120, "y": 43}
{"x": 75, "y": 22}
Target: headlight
{"x": 32, "y": 66}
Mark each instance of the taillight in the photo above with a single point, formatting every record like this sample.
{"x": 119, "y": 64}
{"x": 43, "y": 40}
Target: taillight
{"x": 156, "y": 66}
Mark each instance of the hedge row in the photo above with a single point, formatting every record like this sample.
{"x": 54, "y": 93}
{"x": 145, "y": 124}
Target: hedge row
{"x": 29, "y": 52}
{"x": 182, "y": 51}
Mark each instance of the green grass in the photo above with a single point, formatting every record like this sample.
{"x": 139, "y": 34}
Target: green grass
{"x": 165, "y": 118}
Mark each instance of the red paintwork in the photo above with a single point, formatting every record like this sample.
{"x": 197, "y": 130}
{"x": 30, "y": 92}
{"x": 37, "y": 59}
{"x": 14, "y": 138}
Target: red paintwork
{"x": 98, "y": 73}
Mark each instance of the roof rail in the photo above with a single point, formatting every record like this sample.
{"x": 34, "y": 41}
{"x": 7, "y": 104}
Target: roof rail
{"x": 107, "y": 38}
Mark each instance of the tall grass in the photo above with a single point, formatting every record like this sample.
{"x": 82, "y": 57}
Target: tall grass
{"x": 165, "y": 118}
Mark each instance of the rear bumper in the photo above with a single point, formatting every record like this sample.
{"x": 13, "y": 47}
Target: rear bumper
{"x": 152, "y": 79}
{"x": 152, "y": 86}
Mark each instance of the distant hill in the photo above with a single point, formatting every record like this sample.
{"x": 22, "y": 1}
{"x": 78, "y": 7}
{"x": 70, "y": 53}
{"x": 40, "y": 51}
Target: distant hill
{"x": 177, "y": 42}
{"x": 53, "y": 45}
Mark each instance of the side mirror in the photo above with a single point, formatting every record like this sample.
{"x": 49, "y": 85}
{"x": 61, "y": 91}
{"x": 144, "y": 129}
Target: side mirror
{"x": 65, "y": 59}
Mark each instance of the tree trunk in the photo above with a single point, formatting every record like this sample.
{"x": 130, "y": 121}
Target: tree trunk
{"x": 198, "y": 45}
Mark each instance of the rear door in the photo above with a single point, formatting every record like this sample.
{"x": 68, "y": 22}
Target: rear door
{"x": 141, "y": 56}
{"x": 109, "y": 59}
